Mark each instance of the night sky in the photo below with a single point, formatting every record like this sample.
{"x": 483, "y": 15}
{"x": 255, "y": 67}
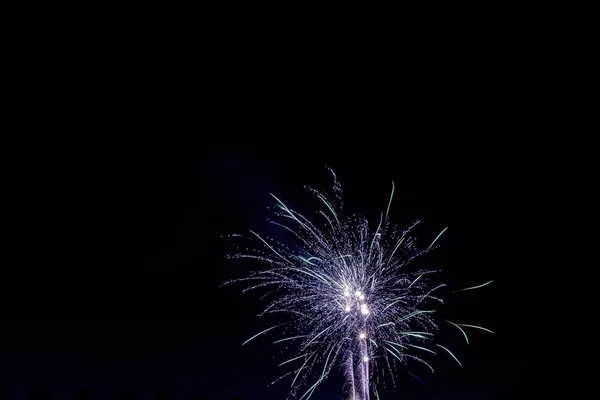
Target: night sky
{"x": 142, "y": 144}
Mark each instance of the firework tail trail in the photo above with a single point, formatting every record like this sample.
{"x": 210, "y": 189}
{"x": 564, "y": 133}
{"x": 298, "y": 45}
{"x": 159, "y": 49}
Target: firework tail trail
{"x": 349, "y": 294}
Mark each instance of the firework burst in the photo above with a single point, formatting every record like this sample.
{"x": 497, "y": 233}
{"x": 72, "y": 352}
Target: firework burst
{"x": 349, "y": 295}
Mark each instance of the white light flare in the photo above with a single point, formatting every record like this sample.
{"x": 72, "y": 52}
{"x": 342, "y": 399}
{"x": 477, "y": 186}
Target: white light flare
{"x": 364, "y": 310}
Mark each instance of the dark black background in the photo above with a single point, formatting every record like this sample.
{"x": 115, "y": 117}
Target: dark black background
{"x": 141, "y": 144}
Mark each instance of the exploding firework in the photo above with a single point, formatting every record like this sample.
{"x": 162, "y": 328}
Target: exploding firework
{"x": 349, "y": 295}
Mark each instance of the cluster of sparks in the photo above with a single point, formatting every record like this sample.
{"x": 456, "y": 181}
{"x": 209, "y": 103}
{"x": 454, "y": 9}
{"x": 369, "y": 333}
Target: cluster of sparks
{"x": 350, "y": 298}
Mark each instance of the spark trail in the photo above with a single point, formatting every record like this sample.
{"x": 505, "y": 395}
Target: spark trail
{"x": 350, "y": 297}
